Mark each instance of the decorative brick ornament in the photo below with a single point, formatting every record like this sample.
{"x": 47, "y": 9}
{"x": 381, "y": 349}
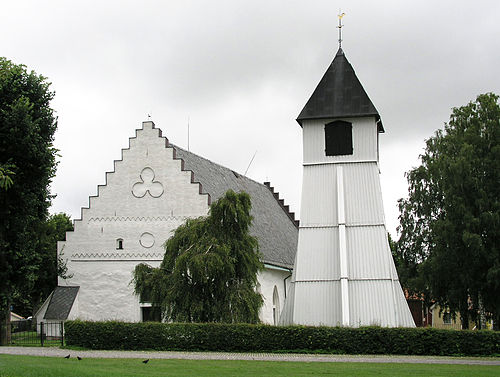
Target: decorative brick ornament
{"x": 147, "y": 185}
{"x": 147, "y": 240}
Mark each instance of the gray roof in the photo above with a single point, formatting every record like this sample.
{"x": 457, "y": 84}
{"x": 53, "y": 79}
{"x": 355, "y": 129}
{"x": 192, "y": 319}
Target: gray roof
{"x": 274, "y": 226}
{"x": 61, "y": 302}
{"x": 339, "y": 94}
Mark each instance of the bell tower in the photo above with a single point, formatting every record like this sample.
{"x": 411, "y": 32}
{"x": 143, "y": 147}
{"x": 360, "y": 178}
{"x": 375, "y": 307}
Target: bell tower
{"x": 344, "y": 274}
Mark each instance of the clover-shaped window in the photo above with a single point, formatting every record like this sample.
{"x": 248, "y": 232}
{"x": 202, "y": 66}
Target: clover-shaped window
{"x": 147, "y": 185}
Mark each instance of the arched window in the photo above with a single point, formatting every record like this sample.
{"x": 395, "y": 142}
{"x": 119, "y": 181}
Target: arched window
{"x": 276, "y": 305}
{"x": 119, "y": 244}
{"x": 338, "y": 138}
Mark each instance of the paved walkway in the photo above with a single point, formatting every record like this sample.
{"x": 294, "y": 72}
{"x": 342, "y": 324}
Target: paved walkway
{"x": 58, "y": 352}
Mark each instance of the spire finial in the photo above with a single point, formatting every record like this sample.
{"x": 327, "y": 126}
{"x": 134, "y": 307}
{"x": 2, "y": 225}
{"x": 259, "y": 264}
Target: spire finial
{"x": 340, "y": 15}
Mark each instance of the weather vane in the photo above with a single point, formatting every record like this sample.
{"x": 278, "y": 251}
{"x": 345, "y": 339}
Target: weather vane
{"x": 340, "y": 27}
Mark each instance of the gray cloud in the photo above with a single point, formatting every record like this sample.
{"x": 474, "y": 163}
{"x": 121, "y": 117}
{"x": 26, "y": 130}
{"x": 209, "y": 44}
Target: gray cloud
{"x": 241, "y": 71}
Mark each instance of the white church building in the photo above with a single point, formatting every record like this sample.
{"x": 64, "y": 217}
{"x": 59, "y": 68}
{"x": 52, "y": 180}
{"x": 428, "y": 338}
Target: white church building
{"x": 153, "y": 189}
{"x": 343, "y": 271}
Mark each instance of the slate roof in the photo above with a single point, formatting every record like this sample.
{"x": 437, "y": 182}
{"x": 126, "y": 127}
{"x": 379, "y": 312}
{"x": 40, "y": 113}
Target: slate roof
{"x": 61, "y": 302}
{"x": 273, "y": 225}
{"x": 339, "y": 94}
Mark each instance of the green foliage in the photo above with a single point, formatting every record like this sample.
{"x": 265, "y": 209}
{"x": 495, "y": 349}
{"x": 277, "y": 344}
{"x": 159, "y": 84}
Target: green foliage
{"x": 209, "y": 271}
{"x": 450, "y": 223}
{"x": 50, "y": 266}
{"x": 6, "y": 176}
{"x": 28, "y": 158}
{"x": 222, "y": 337}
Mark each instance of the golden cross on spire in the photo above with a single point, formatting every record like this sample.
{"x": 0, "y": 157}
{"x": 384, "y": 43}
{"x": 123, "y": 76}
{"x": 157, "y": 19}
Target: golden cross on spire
{"x": 340, "y": 15}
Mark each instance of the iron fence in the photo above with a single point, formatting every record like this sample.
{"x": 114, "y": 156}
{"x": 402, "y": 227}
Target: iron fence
{"x": 29, "y": 333}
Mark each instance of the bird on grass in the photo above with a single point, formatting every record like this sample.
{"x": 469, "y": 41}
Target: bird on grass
{"x": 67, "y": 356}
{"x": 145, "y": 361}
{"x": 78, "y": 357}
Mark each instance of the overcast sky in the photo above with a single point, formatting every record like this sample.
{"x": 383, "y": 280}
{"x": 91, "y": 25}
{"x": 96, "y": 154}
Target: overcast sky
{"x": 241, "y": 71}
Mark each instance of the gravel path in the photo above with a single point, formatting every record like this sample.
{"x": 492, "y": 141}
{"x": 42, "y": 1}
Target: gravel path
{"x": 57, "y": 352}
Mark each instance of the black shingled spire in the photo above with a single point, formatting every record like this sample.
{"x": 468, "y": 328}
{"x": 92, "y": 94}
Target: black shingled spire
{"x": 339, "y": 94}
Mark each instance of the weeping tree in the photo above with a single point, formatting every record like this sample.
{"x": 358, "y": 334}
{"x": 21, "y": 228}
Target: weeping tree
{"x": 450, "y": 222}
{"x": 209, "y": 271}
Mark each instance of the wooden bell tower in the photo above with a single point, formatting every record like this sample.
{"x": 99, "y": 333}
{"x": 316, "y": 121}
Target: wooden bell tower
{"x": 344, "y": 274}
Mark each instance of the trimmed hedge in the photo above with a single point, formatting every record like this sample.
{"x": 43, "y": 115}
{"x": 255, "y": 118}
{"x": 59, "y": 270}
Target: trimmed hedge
{"x": 265, "y": 338}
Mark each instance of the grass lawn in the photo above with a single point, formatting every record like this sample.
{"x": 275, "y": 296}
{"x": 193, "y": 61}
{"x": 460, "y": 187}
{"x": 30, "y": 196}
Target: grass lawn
{"x": 50, "y": 366}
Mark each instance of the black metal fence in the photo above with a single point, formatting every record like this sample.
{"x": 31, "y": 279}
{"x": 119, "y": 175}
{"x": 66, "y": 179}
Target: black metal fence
{"x": 29, "y": 333}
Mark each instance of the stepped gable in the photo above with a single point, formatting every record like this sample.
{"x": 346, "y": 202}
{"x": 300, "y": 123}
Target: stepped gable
{"x": 339, "y": 94}
{"x": 273, "y": 226}
{"x": 107, "y": 173}
{"x": 281, "y": 202}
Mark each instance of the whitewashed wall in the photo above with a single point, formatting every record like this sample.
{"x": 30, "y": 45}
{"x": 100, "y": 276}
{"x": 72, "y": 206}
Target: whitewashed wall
{"x": 144, "y": 199}
{"x": 269, "y": 279}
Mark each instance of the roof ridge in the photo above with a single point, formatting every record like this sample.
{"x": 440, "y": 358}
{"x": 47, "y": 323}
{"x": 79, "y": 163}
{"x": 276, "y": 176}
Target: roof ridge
{"x": 273, "y": 225}
{"x": 239, "y": 175}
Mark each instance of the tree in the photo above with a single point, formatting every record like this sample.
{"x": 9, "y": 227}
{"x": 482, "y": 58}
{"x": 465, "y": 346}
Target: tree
{"x": 209, "y": 271}
{"x": 6, "y": 176}
{"x": 50, "y": 266}
{"x": 411, "y": 280}
{"x": 450, "y": 222}
{"x": 27, "y": 126}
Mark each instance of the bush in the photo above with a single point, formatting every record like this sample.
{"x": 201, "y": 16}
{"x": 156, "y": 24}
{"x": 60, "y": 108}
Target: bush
{"x": 265, "y": 338}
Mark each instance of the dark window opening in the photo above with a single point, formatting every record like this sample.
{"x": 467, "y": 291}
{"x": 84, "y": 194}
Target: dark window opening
{"x": 150, "y": 314}
{"x": 447, "y": 318}
{"x": 119, "y": 244}
{"x": 338, "y": 138}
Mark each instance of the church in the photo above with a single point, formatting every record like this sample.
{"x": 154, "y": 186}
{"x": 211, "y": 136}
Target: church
{"x": 153, "y": 189}
{"x": 335, "y": 269}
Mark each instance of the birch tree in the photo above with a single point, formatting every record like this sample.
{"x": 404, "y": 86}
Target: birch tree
{"x": 450, "y": 223}
{"x": 209, "y": 271}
